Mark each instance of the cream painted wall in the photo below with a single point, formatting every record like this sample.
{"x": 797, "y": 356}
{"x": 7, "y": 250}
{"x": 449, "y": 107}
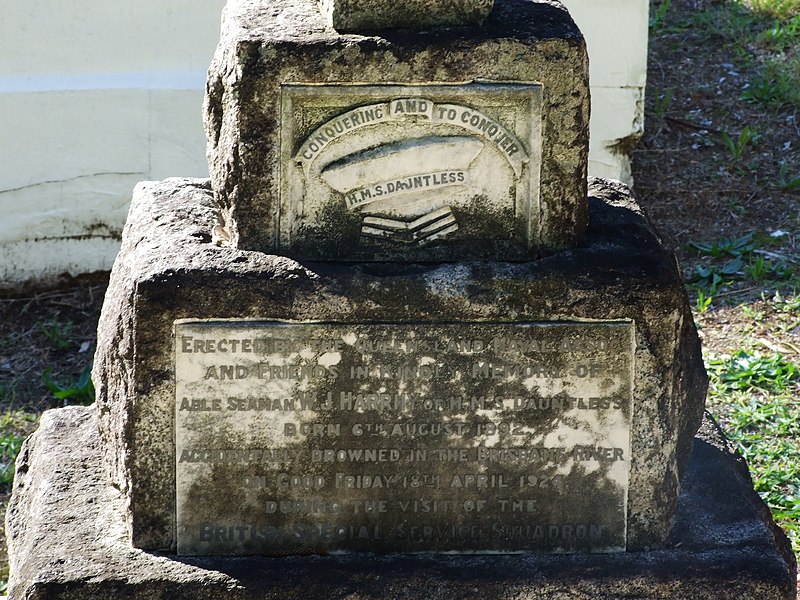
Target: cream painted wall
{"x": 98, "y": 95}
{"x": 616, "y": 32}
{"x": 95, "y": 96}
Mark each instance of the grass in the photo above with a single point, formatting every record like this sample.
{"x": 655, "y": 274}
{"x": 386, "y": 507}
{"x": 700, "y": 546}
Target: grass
{"x": 749, "y": 371}
{"x": 739, "y": 62}
{"x": 764, "y": 33}
{"x": 784, "y": 34}
{"x": 779, "y": 9}
{"x": 658, "y": 15}
{"x": 755, "y": 390}
{"x": 14, "y": 428}
{"x": 757, "y": 396}
{"x": 776, "y": 86}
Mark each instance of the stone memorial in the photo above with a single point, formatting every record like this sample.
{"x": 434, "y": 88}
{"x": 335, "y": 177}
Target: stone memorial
{"x": 396, "y": 347}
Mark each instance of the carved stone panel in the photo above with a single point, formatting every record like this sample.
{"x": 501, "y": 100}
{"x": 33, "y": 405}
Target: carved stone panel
{"x": 414, "y": 172}
{"x": 297, "y": 438}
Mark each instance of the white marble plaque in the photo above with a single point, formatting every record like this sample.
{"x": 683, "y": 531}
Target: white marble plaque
{"x": 372, "y": 172}
{"x": 296, "y": 438}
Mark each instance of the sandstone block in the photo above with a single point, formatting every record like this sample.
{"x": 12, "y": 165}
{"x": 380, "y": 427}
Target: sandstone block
{"x": 329, "y": 146}
{"x": 169, "y": 269}
{"x": 365, "y": 15}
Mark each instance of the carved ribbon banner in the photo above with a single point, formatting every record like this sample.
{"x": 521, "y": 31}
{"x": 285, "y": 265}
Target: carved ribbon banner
{"x": 400, "y": 109}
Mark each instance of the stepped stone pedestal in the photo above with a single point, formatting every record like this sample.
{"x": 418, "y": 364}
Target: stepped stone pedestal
{"x": 171, "y": 271}
{"x": 396, "y": 347}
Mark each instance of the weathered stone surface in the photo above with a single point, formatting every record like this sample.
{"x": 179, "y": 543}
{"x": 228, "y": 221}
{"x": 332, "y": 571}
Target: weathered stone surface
{"x": 169, "y": 269}
{"x": 67, "y": 541}
{"x": 364, "y": 15}
{"x": 281, "y": 78}
{"x": 412, "y": 172}
{"x": 397, "y": 437}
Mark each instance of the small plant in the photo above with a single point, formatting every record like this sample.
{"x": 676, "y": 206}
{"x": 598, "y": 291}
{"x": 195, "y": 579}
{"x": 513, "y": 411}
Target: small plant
{"x": 750, "y": 313}
{"x": 58, "y": 332}
{"x": 785, "y": 181}
{"x": 757, "y": 269}
{"x": 80, "y": 391}
{"x": 744, "y": 371}
{"x": 10, "y": 444}
{"x": 760, "y": 269}
{"x": 706, "y": 280}
{"x": 736, "y": 147}
{"x": 710, "y": 278}
{"x": 659, "y": 16}
{"x": 735, "y": 247}
{"x": 661, "y": 105}
{"x": 789, "y": 305}
{"x": 703, "y": 301}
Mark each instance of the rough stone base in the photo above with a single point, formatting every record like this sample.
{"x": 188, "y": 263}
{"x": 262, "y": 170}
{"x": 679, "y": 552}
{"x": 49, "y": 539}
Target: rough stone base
{"x": 66, "y": 538}
{"x": 170, "y": 269}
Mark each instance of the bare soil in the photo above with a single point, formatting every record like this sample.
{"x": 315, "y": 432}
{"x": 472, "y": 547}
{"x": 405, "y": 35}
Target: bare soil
{"x": 695, "y": 190}
{"x": 47, "y": 331}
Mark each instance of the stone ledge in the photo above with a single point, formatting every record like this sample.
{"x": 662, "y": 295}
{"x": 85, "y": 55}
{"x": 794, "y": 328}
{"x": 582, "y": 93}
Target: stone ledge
{"x": 67, "y": 539}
